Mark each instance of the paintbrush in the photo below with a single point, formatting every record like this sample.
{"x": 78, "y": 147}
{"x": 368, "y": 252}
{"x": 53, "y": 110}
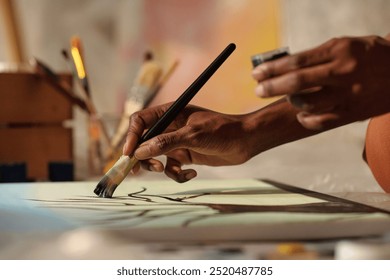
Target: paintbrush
{"x": 54, "y": 80}
{"x": 78, "y": 59}
{"x": 110, "y": 181}
{"x": 95, "y": 156}
{"x": 161, "y": 83}
{"x": 68, "y": 61}
{"x": 143, "y": 86}
{"x": 88, "y": 100}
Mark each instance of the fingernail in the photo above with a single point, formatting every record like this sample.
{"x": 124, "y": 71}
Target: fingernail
{"x": 156, "y": 168}
{"x": 260, "y": 91}
{"x": 256, "y": 72}
{"x": 301, "y": 117}
{"x": 143, "y": 152}
{"x": 190, "y": 176}
{"x": 310, "y": 121}
{"x": 124, "y": 151}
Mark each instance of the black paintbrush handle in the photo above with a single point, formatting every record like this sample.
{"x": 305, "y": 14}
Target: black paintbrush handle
{"x": 187, "y": 95}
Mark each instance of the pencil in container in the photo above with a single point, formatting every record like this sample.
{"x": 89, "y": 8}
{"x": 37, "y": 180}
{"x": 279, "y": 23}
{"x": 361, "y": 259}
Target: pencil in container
{"x": 111, "y": 180}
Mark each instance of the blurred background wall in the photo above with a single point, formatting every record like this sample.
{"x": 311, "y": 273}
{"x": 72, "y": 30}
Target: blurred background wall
{"x": 115, "y": 35}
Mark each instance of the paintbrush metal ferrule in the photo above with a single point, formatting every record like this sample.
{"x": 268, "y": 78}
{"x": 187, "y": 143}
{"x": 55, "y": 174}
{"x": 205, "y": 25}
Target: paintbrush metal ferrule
{"x": 119, "y": 171}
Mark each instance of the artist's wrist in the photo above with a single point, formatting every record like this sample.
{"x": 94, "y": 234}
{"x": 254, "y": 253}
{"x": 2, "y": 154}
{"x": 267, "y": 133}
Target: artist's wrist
{"x": 272, "y": 126}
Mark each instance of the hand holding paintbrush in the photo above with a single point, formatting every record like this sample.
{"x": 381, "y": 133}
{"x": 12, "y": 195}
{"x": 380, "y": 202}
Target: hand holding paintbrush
{"x": 119, "y": 171}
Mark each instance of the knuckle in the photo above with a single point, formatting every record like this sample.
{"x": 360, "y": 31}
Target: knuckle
{"x": 297, "y": 80}
{"x": 348, "y": 67}
{"x": 244, "y": 155}
{"x": 376, "y": 38}
{"x": 344, "y": 42}
{"x": 352, "y": 66}
{"x": 347, "y": 45}
{"x": 165, "y": 143}
{"x": 340, "y": 45}
{"x": 332, "y": 42}
{"x": 135, "y": 117}
{"x": 136, "y": 125}
{"x": 299, "y": 61}
{"x": 136, "y": 120}
{"x": 270, "y": 69}
{"x": 330, "y": 72}
{"x": 132, "y": 132}
{"x": 268, "y": 88}
{"x": 195, "y": 135}
{"x": 162, "y": 143}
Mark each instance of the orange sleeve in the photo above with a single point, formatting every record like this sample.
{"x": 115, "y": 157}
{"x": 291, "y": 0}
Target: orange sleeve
{"x": 377, "y": 149}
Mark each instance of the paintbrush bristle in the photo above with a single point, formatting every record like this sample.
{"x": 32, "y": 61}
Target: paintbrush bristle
{"x": 105, "y": 188}
{"x": 114, "y": 176}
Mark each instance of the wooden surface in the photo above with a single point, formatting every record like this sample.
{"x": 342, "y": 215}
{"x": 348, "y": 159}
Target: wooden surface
{"x": 26, "y": 98}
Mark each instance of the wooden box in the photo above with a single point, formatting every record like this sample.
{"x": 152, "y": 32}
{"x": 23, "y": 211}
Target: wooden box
{"x": 32, "y": 116}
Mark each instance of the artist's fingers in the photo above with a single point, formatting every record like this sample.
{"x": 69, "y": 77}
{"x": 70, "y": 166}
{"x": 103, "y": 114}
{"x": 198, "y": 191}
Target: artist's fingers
{"x": 295, "y": 81}
{"x": 134, "y": 133}
{"x": 173, "y": 170}
{"x": 318, "y": 101}
{"x": 152, "y": 165}
{"x": 313, "y": 57}
{"x": 387, "y": 37}
{"x": 162, "y": 144}
{"x": 140, "y": 121}
{"x": 136, "y": 168}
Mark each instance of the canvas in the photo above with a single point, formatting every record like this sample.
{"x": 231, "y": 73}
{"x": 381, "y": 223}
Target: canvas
{"x": 200, "y": 210}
